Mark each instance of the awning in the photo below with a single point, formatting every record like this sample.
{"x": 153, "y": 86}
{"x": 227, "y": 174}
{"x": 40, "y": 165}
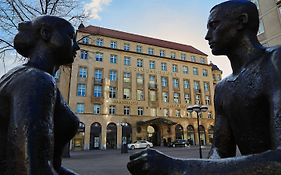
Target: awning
{"x": 156, "y": 121}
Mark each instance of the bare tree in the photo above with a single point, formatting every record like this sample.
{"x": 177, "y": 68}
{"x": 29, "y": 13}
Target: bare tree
{"x": 14, "y": 11}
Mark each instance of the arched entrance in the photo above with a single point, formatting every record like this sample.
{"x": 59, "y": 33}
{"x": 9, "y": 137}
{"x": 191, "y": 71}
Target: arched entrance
{"x": 154, "y": 135}
{"x": 95, "y": 136}
{"x": 78, "y": 140}
{"x": 211, "y": 133}
{"x": 190, "y": 135}
{"x": 126, "y": 133}
{"x": 202, "y": 135}
{"x": 111, "y": 136}
{"x": 179, "y": 132}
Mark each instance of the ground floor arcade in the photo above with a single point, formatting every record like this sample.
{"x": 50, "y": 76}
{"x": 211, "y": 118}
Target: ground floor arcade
{"x": 106, "y": 132}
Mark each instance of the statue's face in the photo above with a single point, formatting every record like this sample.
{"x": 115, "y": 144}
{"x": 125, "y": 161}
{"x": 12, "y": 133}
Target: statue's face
{"x": 222, "y": 32}
{"x": 65, "y": 45}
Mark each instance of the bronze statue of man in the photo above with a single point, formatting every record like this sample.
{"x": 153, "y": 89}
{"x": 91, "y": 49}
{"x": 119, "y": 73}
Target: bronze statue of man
{"x": 35, "y": 122}
{"x": 247, "y": 103}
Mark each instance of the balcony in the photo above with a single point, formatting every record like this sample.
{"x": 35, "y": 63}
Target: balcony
{"x": 197, "y": 91}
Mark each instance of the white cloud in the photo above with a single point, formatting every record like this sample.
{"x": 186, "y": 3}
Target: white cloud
{"x": 95, "y": 7}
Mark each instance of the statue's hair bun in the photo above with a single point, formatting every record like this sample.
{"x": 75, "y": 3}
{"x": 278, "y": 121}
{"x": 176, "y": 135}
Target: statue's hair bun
{"x": 24, "y": 40}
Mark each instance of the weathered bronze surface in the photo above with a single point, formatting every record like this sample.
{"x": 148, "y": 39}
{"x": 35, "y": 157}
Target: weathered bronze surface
{"x": 35, "y": 122}
{"x": 247, "y": 103}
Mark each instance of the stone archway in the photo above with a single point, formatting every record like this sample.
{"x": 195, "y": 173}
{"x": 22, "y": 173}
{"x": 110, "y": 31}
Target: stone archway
{"x": 211, "y": 133}
{"x": 202, "y": 134}
{"x": 111, "y": 136}
{"x": 190, "y": 135}
{"x": 179, "y": 132}
{"x": 127, "y": 133}
{"x": 154, "y": 134}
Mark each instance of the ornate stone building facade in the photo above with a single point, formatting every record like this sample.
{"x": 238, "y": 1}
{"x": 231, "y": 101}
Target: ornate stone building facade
{"x": 126, "y": 87}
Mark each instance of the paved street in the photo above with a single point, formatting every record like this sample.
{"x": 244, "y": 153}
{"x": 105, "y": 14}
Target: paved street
{"x": 112, "y": 162}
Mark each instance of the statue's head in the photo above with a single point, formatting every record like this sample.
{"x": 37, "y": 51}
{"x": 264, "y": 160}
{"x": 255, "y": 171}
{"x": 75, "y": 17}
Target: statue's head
{"x": 50, "y": 33}
{"x": 228, "y": 22}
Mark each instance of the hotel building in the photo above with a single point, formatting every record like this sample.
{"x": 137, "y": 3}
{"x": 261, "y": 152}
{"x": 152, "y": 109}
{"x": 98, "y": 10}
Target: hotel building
{"x": 126, "y": 87}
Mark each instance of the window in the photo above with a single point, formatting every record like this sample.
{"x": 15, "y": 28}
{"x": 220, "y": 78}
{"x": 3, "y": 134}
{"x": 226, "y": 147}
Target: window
{"x": 151, "y": 64}
{"x": 162, "y": 53}
{"x": 202, "y": 60}
{"x": 127, "y": 47}
{"x": 165, "y": 112}
{"x": 85, "y": 40}
{"x": 152, "y": 80}
{"x": 139, "y": 79}
{"x": 97, "y": 91}
{"x": 112, "y": 75}
{"x": 126, "y": 110}
{"x": 187, "y": 98}
{"x": 183, "y": 56}
{"x": 140, "y": 110}
{"x": 99, "y": 56}
{"x": 139, "y": 49}
{"x": 197, "y": 99}
{"x": 195, "y": 71}
{"x": 127, "y": 77}
{"x": 153, "y": 112}
{"x": 185, "y": 70}
{"x": 210, "y": 115}
{"x": 127, "y": 61}
{"x": 84, "y": 54}
{"x": 164, "y": 66}
{"x": 57, "y": 75}
{"x": 193, "y": 59}
{"x": 98, "y": 74}
{"x": 81, "y": 90}
{"x": 97, "y": 108}
{"x": 206, "y": 87}
{"x": 139, "y": 62}
{"x": 150, "y": 51}
{"x": 152, "y": 95}
{"x": 207, "y": 100}
{"x": 175, "y": 68}
{"x": 112, "y": 110}
{"x": 205, "y": 73}
{"x": 186, "y": 84}
{"x": 82, "y": 72}
{"x": 164, "y": 81}
{"x": 261, "y": 28}
{"x": 126, "y": 93}
{"x": 99, "y": 42}
{"x": 196, "y": 86}
{"x": 176, "y": 97}
{"x": 112, "y": 92}
{"x": 113, "y": 59}
{"x": 173, "y": 55}
{"x": 165, "y": 97}
{"x": 113, "y": 44}
{"x": 176, "y": 83}
{"x": 178, "y": 113}
{"x": 80, "y": 108}
{"x": 140, "y": 95}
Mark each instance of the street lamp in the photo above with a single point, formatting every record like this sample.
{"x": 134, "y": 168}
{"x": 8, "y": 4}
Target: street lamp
{"x": 198, "y": 109}
{"x": 124, "y": 148}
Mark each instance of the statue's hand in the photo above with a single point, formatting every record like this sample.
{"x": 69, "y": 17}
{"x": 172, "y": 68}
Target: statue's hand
{"x": 150, "y": 162}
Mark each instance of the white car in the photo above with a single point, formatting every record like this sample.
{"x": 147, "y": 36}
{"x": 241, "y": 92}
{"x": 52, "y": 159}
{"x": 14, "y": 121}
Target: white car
{"x": 140, "y": 144}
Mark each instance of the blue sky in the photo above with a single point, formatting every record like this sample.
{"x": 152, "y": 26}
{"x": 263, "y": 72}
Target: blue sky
{"x": 182, "y": 21}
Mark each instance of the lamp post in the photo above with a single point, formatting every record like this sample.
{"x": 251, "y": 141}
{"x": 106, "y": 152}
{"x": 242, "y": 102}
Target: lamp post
{"x": 198, "y": 109}
{"x": 124, "y": 148}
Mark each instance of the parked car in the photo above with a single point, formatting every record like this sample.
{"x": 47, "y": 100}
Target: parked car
{"x": 179, "y": 142}
{"x": 140, "y": 144}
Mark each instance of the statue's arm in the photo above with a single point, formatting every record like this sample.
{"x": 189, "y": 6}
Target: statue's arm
{"x": 33, "y": 100}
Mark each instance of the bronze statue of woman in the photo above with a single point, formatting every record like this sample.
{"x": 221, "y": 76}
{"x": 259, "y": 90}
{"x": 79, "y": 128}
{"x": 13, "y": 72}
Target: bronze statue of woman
{"x": 35, "y": 122}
